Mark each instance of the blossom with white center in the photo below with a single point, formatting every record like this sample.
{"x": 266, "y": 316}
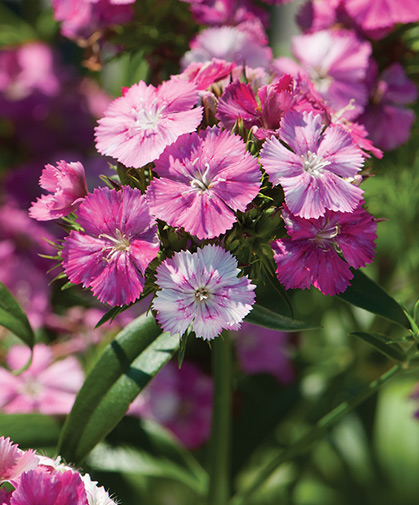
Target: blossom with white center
{"x": 118, "y": 243}
{"x": 140, "y": 124}
{"x": 316, "y": 173}
{"x": 202, "y": 290}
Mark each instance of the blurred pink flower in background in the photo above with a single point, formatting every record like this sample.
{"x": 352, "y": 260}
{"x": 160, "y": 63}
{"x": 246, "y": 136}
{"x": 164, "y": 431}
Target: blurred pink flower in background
{"x": 180, "y": 400}
{"x": 260, "y": 350}
{"x": 67, "y": 183}
{"x": 47, "y": 386}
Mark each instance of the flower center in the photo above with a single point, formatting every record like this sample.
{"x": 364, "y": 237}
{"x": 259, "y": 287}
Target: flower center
{"x": 201, "y": 181}
{"x": 326, "y": 236}
{"x": 146, "y": 116}
{"x": 202, "y": 294}
{"x": 120, "y": 243}
{"x": 314, "y": 164}
{"x": 321, "y": 80}
{"x": 31, "y": 387}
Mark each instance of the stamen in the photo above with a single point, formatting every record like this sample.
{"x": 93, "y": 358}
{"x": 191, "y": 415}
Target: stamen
{"x": 314, "y": 164}
{"x": 201, "y": 294}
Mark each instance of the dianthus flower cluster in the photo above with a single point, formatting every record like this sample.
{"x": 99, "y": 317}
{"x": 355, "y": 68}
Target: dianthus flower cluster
{"x": 27, "y": 478}
{"x": 240, "y": 165}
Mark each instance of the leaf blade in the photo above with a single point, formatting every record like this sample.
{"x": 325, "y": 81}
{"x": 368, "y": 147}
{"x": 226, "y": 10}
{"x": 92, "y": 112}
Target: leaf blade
{"x": 261, "y": 316}
{"x": 14, "y": 318}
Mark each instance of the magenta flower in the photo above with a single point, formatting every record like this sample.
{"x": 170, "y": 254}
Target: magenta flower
{"x": 140, "y": 124}
{"x": 204, "y": 179}
{"x": 13, "y": 461}
{"x": 314, "y": 174}
{"x": 260, "y": 350}
{"x": 55, "y": 488}
{"x": 46, "y": 386}
{"x": 202, "y": 290}
{"x": 387, "y": 119}
{"x": 67, "y": 183}
{"x": 180, "y": 400}
{"x": 118, "y": 242}
{"x": 242, "y": 44}
{"x": 312, "y": 256}
{"x": 263, "y": 112}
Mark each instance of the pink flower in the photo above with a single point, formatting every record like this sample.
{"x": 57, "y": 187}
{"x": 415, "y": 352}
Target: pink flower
{"x": 242, "y": 44}
{"x": 204, "y": 179}
{"x": 96, "y": 495}
{"x": 67, "y": 183}
{"x": 382, "y": 13}
{"x": 204, "y": 74}
{"x": 337, "y": 64}
{"x": 180, "y": 400}
{"x": 386, "y": 118}
{"x": 46, "y": 386}
{"x": 13, "y": 461}
{"x": 263, "y": 112}
{"x": 118, "y": 242}
{"x": 140, "y": 124}
{"x": 202, "y": 290}
{"x": 311, "y": 256}
{"x": 314, "y": 174}
{"x": 260, "y": 350}
{"x": 36, "y": 487}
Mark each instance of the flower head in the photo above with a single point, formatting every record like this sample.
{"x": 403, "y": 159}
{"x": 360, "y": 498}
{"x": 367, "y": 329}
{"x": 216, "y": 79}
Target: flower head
{"x": 315, "y": 174}
{"x": 118, "y": 242}
{"x": 140, "y": 124}
{"x": 202, "y": 290}
{"x": 312, "y": 256}
{"x": 204, "y": 179}
{"x": 67, "y": 183}
{"x": 13, "y": 461}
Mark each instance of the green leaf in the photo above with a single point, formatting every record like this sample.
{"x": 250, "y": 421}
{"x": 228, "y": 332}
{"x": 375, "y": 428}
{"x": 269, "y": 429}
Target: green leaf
{"x": 13, "y": 318}
{"x": 383, "y": 344}
{"x": 126, "y": 366}
{"x": 366, "y": 294}
{"x": 260, "y": 316}
{"x": 30, "y": 430}
{"x": 149, "y": 451}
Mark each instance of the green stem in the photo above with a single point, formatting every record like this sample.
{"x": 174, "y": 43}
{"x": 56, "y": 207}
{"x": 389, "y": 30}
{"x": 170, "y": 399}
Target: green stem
{"x": 318, "y": 430}
{"x": 219, "y": 450}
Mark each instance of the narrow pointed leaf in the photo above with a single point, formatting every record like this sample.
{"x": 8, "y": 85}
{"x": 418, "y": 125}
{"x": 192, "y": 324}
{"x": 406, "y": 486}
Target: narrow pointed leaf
{"x": 13, "y": 318}
{"x": 125, "y": 368}
{"x": 366, "y": 294}
{"x": 114, "y": 362}
{"x": 261, "y": 316}
{"x": 383, "y": 344}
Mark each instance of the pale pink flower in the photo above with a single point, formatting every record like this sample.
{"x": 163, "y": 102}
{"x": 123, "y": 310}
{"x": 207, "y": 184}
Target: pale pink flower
{"x": 13, "y": 461}
{"x": 36, "y": 487}
{"x": 202, "y": 290}
{"x": 67, "y": 183}
{"x": 204, "y": 179}
{"x": 140, "y": 124}
{"x": 46, "y": 386}
{"x": 242, "y": 44}
{"x": 316, "y": 174}
{"x": 337, "y": 64}
{"x": 180, "y": 400}
{"x": 261, "y": 350}
{"x": 387, "y": 119}
{"x": 312, "y": 255}
{"x": 118, "y": 242}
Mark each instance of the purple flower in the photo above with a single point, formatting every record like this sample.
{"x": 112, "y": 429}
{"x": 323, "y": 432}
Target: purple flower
{"x": 46, "y": 386}
{"x": 140, "y": 124}
{"x": 118, "y": 242}
{"x": 13, "y": 461}
{"x": 312, "y": 256}
{"x": 386, "y": 118}
{"x": 67, "y": 183}
{"x": 204, "y": 179}
{"x": 314, "y": 175}
{"x": 202, "y": 290}
{"x": 180, "y": 400}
